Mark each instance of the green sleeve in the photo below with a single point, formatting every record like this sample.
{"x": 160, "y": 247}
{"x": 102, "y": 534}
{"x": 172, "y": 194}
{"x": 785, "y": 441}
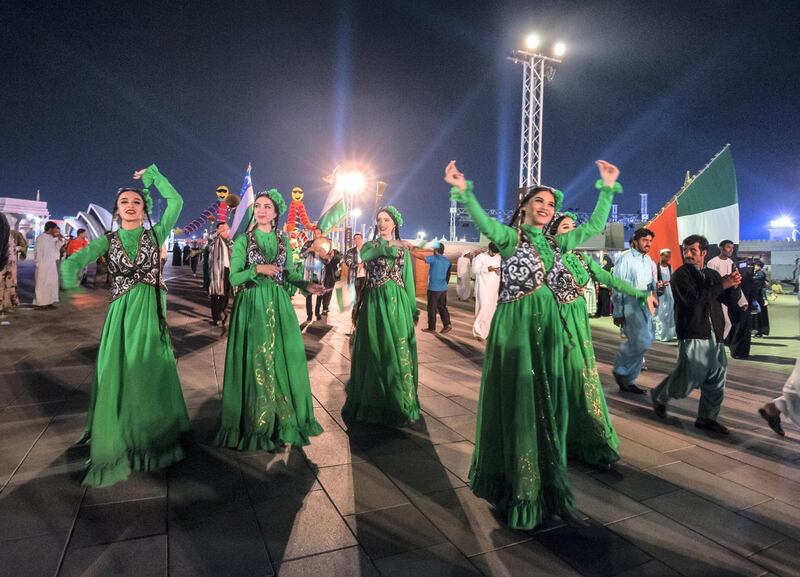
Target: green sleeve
{"x": 595, "y": 225}
{"x": 606, "y": 278}
{"x": 505, "y": 237}
{"x": 376, "y": 249}
{"x": 168, "y": 193}
{"x": 88, "y": 254}
{"x": 408, "y": 281}
{"x": 239, "y": 274}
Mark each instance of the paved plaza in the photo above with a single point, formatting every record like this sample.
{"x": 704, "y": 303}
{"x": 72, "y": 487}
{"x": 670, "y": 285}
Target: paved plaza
{"x": 371, "y": 501}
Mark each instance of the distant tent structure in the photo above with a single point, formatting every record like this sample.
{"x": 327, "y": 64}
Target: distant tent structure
{"x": 707, "y": 204}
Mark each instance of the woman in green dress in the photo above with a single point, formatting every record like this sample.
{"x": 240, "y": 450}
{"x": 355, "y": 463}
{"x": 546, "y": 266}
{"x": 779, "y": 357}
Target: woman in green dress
{"x": 590, "y": 435}
{"x": 266, "y": 396}
{"x": 383, "y": 370}
{"x": 519, "y": 462}
{"x": 137, "y": 414}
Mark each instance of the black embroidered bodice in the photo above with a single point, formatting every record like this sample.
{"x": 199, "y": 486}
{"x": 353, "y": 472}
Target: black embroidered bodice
{"x": 523, "y": 272}
{"x": 563, "y": 284}
{"x": 380, "y": 271}
{"x": 125, "y": 273}
{"x": 256, "y": 256}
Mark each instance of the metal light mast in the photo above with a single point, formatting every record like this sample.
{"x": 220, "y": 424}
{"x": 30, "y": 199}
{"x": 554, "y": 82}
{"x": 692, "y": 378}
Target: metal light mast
{"x": 453, "y": 214}
{"x": 537, "y": 69}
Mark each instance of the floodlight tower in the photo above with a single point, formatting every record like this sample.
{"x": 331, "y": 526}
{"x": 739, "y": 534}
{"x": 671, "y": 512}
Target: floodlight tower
{"x": 537, "y": 69}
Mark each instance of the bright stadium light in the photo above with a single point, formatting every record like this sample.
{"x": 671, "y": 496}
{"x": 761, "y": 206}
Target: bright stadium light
{"x": 420, "y": 234}
{"x": 352, "y": 181}
{"x": 532, "y": 41}
{"x": 782, "y": 221}
{"x": 559, "y": 49}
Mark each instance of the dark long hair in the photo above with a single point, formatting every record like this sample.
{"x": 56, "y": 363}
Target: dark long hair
{"x": 396, "y": 226}
{"x": 162, "y": 316}
{"x": 519, "y": 214}
{"x": 252, "y": 223}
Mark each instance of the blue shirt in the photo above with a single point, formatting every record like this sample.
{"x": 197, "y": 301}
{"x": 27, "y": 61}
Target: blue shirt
{"x": 638, "y": 270}
{"x": 437, "y": 275}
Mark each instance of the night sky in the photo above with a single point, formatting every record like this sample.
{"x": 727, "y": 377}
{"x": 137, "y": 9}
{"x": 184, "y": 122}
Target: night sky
{"x": 95, "y": 90}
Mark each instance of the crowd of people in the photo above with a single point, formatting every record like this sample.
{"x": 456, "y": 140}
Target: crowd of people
{"x": 541, "y": 400}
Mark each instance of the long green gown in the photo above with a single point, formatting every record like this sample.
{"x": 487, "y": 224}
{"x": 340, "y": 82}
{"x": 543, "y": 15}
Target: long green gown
{"x": 383, "y": 370}
{"x": 519, "y": 460}
{"x": 590, "y": 435}
{"x": 266, "y": 396}
{"x": 136, "y": 412}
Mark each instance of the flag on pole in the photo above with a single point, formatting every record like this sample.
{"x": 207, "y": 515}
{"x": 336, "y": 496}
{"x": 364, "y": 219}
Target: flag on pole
{"x": 708, "y": 204}
{"x": 334, "y": 209}
{"x": 244, "y": 212}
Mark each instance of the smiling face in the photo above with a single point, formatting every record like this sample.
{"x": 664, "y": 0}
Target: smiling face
{"x": 567, "y": 224}
{"x": 297, "y": 194}
{"x": 130, "y": 208}
{"x": 386, "y": 225}
{"x": 264, "y": 211}
{"x": 540, "y": 208}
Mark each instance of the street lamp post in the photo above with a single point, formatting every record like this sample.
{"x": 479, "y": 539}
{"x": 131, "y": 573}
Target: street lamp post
{"x": 537, "y": 69}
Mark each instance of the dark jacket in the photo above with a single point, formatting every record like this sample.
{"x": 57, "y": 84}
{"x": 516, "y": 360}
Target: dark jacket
{"x": 696, "y": 300}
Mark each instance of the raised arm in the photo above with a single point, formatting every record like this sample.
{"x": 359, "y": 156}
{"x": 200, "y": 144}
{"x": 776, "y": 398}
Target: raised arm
{"x": 72, "y": 266}
{"x": 151, "y": 176}
{"x": 596, "y": 223}
{"x": 606, "y": 278}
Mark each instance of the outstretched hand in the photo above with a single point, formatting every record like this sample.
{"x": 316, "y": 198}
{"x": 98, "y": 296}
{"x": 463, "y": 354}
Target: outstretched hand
{"x": 608, "y": 172}
{"x": 316, "y": 289}
{"x": 454, "y": 177}
{"x": 137, "y": 174}
{"x": 652, "y": 303}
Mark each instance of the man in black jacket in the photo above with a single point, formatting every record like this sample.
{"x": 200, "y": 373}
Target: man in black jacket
{"x": 700, "y": 326}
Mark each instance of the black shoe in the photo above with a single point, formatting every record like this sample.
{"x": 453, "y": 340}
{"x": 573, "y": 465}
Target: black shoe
{"x": 310, "y": 319}
{"x": 319, "y": 317}
{"x": 625, "y": 388}
{"x": 774, "y": 422}
{"x": 660, "y": 409}
{"x": 428, "y": 330}
{"x": 325, "y": 312}
{"x": 712, "y": 425}
{"x": 447, "y": 329}
{"x": 619, "y": 379}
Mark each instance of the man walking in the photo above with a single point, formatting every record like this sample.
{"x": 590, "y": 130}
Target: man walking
{"x": 639, "y": 270}
{"x": 486, "y": 268}
{"x": 438, "y": 277}
{"x": 219, "y": 269}
{"x": 664, "y": 321}
{"x": 356, "y": 272}
{"x": 724, "y": 265}
{"x": 46, "y": 253}
{"x": 702, "y": 364}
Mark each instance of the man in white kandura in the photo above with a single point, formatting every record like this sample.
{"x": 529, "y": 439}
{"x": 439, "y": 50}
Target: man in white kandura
{"x": 486, "y": 268}
{"x": 47, "y": 252}
{"x": 464, "y": 284}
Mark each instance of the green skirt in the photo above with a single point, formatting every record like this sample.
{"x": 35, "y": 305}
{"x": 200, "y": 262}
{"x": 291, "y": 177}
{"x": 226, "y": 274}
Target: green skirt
{"x": 590, "y": 435}
{"x": 266, "y": 395}
{"x": 383, "y": 369}
{"x": 137, "y": 413}
{"x": 519, "y": 461}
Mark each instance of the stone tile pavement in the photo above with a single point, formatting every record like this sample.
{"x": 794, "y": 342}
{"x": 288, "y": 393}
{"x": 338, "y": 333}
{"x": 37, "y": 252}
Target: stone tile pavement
{"x": 372, "y": 501}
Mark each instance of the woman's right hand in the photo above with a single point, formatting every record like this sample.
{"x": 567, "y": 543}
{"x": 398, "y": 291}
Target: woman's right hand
{"x": 454, "y": 177}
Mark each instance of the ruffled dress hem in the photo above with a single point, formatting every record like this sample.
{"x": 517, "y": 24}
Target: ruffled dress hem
{"x": 229, "y": 438}
{"x": 380, "y": 415}
{"x": 107, "y": 474}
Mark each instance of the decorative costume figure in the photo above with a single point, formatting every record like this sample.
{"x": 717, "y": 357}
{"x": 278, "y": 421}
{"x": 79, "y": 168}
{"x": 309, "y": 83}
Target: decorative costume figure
{"x": 297, "y": 217}
{"x": 519, "y": 461}
{"x": 383, "y": 369}
{"x": 136, "y": 413}
{"x": 266, "y": 398}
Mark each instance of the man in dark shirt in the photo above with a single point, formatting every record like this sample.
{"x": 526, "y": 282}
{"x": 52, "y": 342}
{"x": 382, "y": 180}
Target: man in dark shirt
{"x": 700, "y": 326}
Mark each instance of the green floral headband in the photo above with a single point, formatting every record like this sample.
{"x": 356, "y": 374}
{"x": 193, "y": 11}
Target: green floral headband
{"x": 398, "y": 218}
{"x": 276, "y": 198}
